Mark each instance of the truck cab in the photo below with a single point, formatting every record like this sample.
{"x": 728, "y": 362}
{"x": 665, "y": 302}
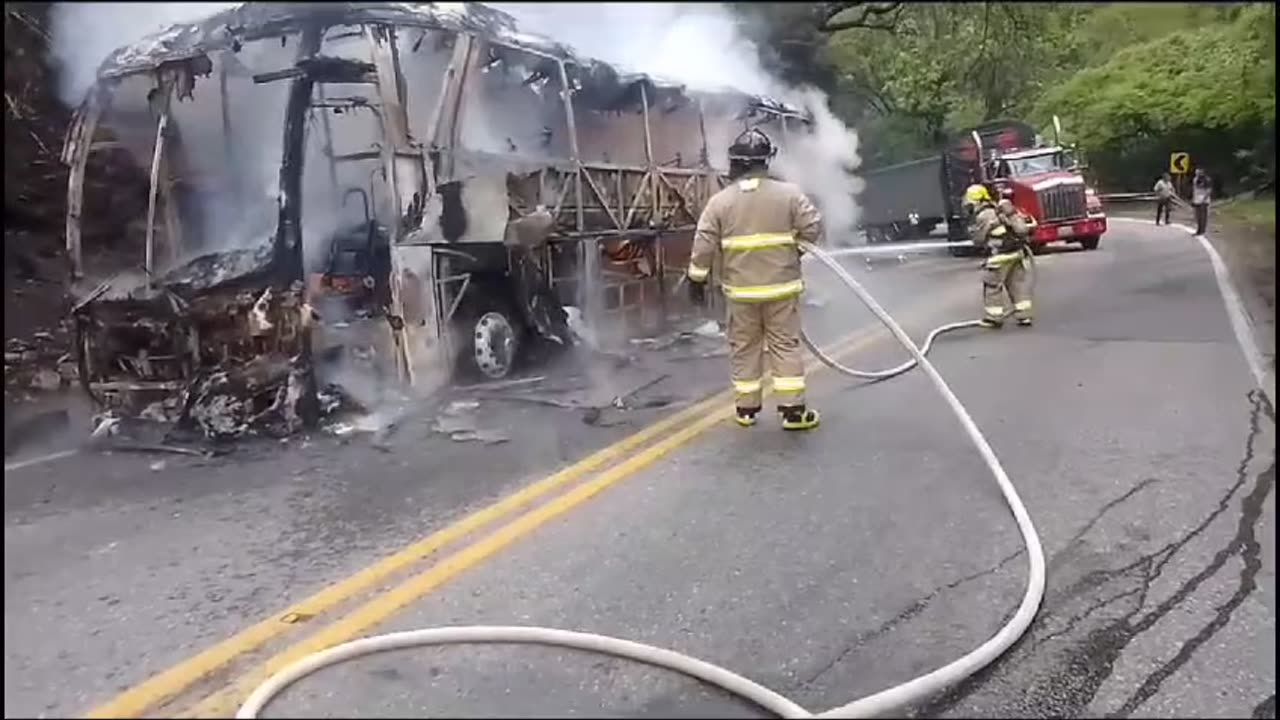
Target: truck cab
{"x": 1046, "y": 183}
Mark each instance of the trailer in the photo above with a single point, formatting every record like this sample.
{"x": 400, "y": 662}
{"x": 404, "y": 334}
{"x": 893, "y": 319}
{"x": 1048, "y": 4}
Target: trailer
{"x": 904, "y": 201}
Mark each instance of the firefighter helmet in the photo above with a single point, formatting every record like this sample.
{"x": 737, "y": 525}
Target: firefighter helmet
{"x": 977, "y": 193}
{"x": 752, "y": 146}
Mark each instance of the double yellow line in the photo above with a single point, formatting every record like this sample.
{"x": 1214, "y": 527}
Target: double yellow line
{"x": 630, "y": 455}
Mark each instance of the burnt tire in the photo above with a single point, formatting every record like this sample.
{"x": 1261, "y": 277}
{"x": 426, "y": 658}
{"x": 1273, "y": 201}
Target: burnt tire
{"x": 491, "y": 335}
{"x": 1091, "y": 242}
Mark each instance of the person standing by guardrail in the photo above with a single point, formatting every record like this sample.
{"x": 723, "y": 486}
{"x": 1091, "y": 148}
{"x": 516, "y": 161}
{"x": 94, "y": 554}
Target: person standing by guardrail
{"x": 1201, "y": 194}
{"x": 1164, "y": 197}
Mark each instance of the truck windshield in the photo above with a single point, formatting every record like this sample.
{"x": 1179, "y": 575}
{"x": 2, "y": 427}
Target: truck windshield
{"x": 1035, "y": 164}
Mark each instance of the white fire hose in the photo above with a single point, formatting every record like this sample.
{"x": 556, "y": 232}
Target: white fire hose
{"x": 883, "y": 702}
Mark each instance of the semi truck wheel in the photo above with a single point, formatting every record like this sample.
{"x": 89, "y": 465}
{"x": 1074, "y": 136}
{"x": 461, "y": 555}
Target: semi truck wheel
{"x": 1090, "y": 243}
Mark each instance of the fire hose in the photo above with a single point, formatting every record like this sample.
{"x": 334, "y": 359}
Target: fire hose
{"x": 880, "y": 703}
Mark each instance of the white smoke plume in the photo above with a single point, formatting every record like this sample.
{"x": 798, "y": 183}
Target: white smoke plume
{"x": 698, "y": 44}
{"x": 85, "y": 33}
{"x": 701, "y": 45}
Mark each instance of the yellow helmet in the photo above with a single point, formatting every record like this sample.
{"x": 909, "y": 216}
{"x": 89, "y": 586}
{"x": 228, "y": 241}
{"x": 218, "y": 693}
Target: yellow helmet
{"x": 977, "y": 193}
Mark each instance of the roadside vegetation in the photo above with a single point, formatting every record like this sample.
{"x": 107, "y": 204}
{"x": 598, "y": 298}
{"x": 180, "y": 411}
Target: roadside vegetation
{"x": 1257, "y": 213}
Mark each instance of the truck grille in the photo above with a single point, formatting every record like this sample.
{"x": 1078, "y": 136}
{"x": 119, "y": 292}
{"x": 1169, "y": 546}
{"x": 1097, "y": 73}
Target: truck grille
{"x": 1065, "y": 202}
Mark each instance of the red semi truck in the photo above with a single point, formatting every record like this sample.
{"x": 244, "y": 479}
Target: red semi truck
{"x": 1044, "y": 181}
{"x": 906, "y": 201}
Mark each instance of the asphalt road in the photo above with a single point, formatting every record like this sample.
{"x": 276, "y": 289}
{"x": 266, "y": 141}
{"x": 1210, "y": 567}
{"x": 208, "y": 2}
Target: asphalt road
{"x": 826, "y": 565}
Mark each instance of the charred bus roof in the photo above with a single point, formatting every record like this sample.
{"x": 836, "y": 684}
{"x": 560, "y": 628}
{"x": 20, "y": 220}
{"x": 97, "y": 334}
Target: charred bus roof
{"x": 597, "y": 84}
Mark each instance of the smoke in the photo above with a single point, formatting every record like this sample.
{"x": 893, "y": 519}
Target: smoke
{"x": 822, "y": 162}
{"x": 697, "y": 44}
{"x": 85, "y": 33}
{"x": 702, "y": 46}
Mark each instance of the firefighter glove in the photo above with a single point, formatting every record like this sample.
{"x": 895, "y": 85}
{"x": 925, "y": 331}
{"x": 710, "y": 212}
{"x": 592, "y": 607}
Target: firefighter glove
{"x": 697, "y": 291}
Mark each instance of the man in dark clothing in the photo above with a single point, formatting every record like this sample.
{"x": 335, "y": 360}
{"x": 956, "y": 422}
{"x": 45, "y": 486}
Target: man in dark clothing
{"x": 1164, "y": 197}
{"x": 1201, "y": 193}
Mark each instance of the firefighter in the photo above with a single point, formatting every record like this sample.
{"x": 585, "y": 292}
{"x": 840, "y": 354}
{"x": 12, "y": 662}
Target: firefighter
{"x": 753, "y": 226}
{"x": 1005, "y": 233}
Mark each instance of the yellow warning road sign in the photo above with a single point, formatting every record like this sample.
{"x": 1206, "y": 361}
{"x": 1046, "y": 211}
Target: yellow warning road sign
{"x": 1180, "y": 163}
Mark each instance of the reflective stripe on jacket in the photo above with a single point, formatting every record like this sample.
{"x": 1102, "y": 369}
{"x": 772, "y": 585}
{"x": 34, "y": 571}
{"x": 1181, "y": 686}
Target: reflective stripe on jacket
{"x": 753, "y": 226}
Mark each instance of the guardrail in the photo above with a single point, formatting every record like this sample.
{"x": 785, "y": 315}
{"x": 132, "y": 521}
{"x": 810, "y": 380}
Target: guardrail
{"x": 1127, "y": 197}
{"x": 1123, "y": 198}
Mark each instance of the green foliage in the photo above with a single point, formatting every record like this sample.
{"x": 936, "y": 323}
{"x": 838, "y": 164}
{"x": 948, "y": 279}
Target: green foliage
{"x": 947, "y": 66}
{"x": 1110, "y": 28}
{"x": 1209, "y": 91}
{"x": 1258, "y": 213}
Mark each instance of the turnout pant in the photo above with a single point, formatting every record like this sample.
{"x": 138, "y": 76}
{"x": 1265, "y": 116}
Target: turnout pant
{"x": 766, "y": 329}
{"x": 1007, "y": 274}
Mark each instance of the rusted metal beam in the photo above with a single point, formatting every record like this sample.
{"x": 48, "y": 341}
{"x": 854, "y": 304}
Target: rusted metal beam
{"x": 174, "y": 245}
{"x": 395, "y": 128}
{"x": 75, "y": 153}
{"x": 288, "y": 243}
{"x": 588, "y": 250}
{"x": 326, "y": 127}
{"x": 637, "y": 169}
{"x": 228, "y": 139}
{"x": 705, "y": 155}
{"x": 604, "y": 203}
{"x": 645, "y": 183}
{"x": 446, "y": 130}
{"x": 395, "y": 136}
{"x": 157, "y": 154}
{"x": 655, "y": 187}
{"x": 287, "y": 247}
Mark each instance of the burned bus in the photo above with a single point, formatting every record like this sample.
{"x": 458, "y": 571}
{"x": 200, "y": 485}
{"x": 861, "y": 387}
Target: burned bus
{"x": 420, "y": 188}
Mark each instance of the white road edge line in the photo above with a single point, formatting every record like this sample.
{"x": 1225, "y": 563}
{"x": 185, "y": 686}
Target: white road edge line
{"x": 1240, "y": 322}
{"x": 38, "y": 460}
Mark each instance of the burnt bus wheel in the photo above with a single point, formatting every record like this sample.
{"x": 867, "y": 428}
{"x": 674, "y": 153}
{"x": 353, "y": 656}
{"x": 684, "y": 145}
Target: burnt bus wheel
{"x": 490, "y": 334}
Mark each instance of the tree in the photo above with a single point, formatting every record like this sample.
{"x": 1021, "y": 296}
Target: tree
{"x": 1209, "y": 91}
{"x": 941, "y": 67}
{"x": 834, "y": 17}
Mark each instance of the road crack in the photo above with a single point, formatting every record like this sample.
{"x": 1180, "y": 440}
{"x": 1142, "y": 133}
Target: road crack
{"x": 1069, "y": 690}
{"x": 1245, "y": 543}
{"x": 903, "y": 616}
{"x": 915, "y": 608}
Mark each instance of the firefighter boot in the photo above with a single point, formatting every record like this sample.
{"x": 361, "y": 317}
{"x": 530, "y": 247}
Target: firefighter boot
{"x": 991, "y": 324}
{"x": 798, "y": 417}
{"x": 1024, "y": 322}
{"x": 746, "y": 417}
